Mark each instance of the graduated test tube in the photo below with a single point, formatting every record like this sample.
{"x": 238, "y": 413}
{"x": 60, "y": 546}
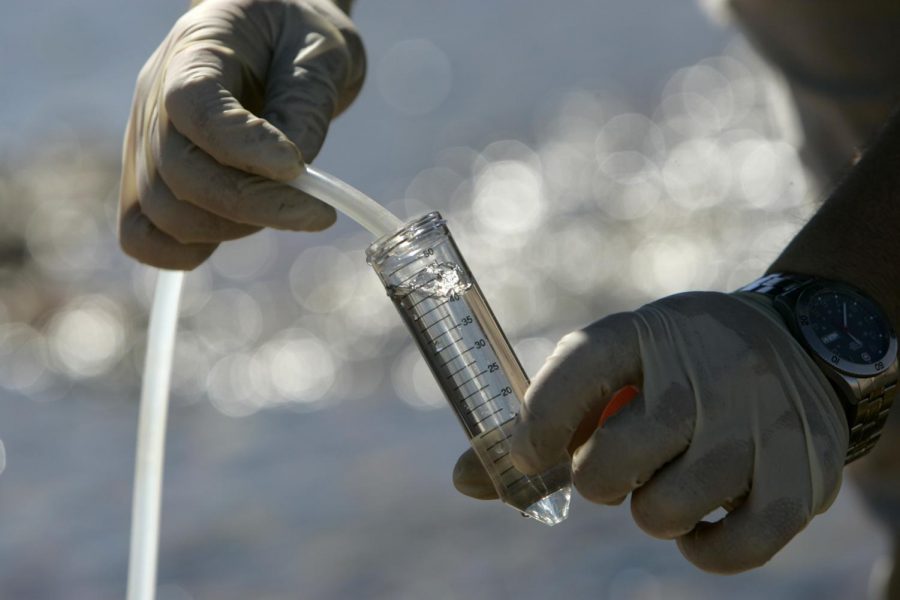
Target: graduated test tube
{"x": 446, "y": 313}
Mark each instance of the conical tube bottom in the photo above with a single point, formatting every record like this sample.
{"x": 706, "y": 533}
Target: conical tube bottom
{"x": 551, "y": 509}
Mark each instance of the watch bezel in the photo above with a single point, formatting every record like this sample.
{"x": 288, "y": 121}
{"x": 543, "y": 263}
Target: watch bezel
{"x": 803, "y": 324}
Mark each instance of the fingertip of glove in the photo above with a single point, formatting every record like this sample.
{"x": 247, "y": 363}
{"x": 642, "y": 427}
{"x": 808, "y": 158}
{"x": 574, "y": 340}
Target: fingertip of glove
{"x": 282, "y": 161}
{"x": 470, "y": 479}
{"x": 475, "y": 489}
{"x": 142, "y": 241}
{"x": 324, "y": 216}
{"x": 715, "y": 559}
{"x": 527, "y": 457}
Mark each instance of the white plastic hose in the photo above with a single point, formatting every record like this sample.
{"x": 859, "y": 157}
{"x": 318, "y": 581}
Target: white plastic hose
{"x": 161, "y": 334}
{"x": 151, "y": 436}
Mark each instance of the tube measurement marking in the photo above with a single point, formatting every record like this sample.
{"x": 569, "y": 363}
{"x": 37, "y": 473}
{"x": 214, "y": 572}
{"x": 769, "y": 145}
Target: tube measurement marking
{"x": 460, "y": 369}
{"x": 443, "y": 334}
{"x": 483, "y": 419}
{"x": 413, "y": 276}
{"x": 450, "y": 345}
{"x": 452, "y": 358}
{"x": 432, "y": 309}
{"x": 420, "y": 301}
{"x": 488, "y": 401}
{"x": 476, "y": 391}
{"x": 444, "y": 318}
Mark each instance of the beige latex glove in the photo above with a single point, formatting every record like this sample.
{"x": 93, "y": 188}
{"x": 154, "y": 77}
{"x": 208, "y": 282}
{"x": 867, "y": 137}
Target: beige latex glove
{"x": 732, "y": 413}
{"x": 236, "y": 98}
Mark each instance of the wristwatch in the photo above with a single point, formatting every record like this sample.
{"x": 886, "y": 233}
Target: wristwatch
{"x": 850, "y": 339}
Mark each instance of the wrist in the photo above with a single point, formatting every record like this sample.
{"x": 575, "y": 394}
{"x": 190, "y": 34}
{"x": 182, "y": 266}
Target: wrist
{"x": 822, "y": 255}
{"x": 852, "y": 238}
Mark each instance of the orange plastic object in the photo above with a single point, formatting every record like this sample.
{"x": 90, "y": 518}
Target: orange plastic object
{"x": 622, "y": 397}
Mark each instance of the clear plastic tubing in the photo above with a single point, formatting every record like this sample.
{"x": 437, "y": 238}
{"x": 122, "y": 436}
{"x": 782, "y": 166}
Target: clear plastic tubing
{"x": 420, "y": 253}
{"x": 445, "y": 311}
{"x": 148, "y": 472}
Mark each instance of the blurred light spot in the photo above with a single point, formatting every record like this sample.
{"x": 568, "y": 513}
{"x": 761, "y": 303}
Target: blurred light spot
{"x": 460, "y": 159}
{"x": 360, "y": 380}
{"x": 511, "y": 150}
{"x": 634, "y": 201}
{"x": 195, "y": 292}
{"x": 192, "y": 360}
{"x": 434, "y": 186}
{"x": 414, "y": 382}
{"x": 245, "y": 259}
{"x": 230, "y": 320}
{"x": 773, "y": 237}
{"x": 319, "y": 278}
{"x": 364, "y": 323}
{"x": 578, "y": 117}
{"x": 705, "y": 81}
{"x": 697, "y": 174}
{"x": 414, "y": 76}
{"x": 65, "y": 240}
{"x": 23, "y": 358}
{"x": 87, "y": 336}
{"x": 626, "y": 167}
{"x": 508, "y": 199}
{"x": 519, "y": 298}
{"x": 741, "y": 82}
{"x": 770, "y": 173}
{"x": 630, "y": 132}
{"x": 230, "y": 386}
{"x": 300, "y": 367}
{"x": 568, "y": 172}
{"x": 580, "y": 258}
{"x": 532, "y": 353}
{"x": 670, "y": 264}
{"x": 2, "y": 457}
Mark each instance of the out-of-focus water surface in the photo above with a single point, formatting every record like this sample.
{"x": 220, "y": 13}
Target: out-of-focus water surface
{"x": 589, "y": 158}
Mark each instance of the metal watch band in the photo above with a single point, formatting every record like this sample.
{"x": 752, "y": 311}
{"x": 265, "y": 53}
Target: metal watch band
{"x": 776, "y": 284}
{"x": 871, "y": 413}
{"x": 866, "y": 415}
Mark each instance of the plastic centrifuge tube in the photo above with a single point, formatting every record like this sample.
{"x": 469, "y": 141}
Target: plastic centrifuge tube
{"x": 443, "y": 307}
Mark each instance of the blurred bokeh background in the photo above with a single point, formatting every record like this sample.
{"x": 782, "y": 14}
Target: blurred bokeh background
{"x": 589, "y": 156}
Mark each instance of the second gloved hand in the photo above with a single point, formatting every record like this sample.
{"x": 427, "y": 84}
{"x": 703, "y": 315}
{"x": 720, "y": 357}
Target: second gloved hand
{"x": 235, "y": 100}
{"x": 732, "y": 413}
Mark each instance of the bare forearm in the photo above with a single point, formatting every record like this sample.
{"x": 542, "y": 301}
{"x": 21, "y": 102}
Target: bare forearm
{"x": 855, "y": 236}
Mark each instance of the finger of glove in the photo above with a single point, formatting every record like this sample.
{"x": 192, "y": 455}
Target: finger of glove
{"x": 642, "y": 437}
{"x": 138, "y": 236}
{"x": 470, "y": 478}
{"x": 187, "y": 223}
{"x": 747, "y": 537}
{"x": 788, "y": 487}
{"x": 679, "y": 495}
{"x": 303, "y": 90}
{"x": 199, "y": 100}
{"x": 195, "y": 177}
{"x": 579, "y": 378}
{"x": 143, "y": 241}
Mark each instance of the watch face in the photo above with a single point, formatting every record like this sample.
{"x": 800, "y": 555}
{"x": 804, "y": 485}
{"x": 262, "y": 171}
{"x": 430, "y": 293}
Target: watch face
{"x": 846, "y": 329}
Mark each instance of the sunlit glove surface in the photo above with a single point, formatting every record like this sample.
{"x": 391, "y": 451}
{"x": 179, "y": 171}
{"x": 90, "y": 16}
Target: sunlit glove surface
{"x": 236, "y": 98}
{"x": 732, "y": 413}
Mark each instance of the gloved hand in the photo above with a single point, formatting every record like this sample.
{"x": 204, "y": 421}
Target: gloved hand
{"x": 732, "y": 413}
{"x": 236, "y": 98}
